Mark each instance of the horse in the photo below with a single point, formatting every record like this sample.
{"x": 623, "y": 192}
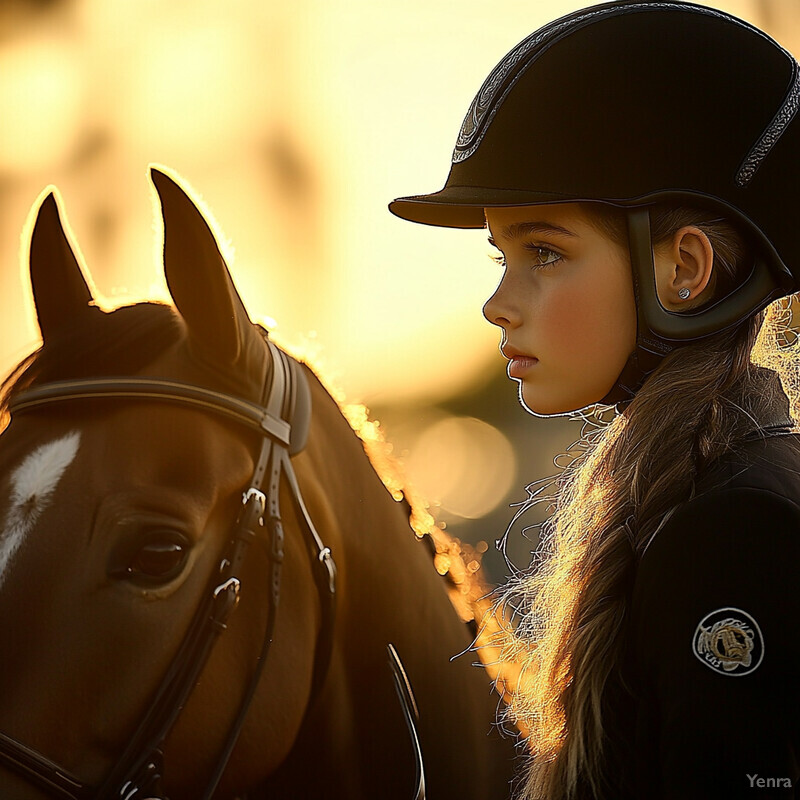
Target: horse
{"x": 200, "y": 570}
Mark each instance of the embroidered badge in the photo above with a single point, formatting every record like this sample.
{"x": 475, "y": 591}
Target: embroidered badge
{"x": 729, "y": 641}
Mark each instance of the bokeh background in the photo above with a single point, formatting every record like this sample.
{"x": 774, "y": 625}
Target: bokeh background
{"x": 296, "y": 122}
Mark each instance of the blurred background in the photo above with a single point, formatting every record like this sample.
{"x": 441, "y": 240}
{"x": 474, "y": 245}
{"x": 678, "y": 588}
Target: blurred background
{"x": 297, "y": 122}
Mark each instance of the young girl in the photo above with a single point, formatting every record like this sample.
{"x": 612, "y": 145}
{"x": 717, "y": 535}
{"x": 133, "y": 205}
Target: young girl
{"x": 636, "y": 165}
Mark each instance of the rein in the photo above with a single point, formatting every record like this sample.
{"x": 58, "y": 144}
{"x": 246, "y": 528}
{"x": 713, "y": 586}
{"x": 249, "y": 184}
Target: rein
{"x": 137, "y": 775}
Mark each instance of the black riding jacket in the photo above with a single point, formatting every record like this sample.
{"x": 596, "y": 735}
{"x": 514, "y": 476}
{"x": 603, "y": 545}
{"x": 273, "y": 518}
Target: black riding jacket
{"x": 710, "y": 704}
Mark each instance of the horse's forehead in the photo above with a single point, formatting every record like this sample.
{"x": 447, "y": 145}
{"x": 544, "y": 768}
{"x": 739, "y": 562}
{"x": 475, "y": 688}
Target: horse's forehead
{"x": 151, "y": 437}
{"x": 146, "y": 447}
{"x": 137, "y": 444}
{"x": 41, "y": 469}
{"x": 31, "y": 486}
{"x": 133, "y": 451}
{"x": 143, "y": 447}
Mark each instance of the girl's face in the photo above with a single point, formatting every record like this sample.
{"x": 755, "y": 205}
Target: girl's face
{"x": 565, "y": 304}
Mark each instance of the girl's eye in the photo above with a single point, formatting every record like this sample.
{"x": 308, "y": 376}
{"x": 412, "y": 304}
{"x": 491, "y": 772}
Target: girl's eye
{"x": 543, "y": 257}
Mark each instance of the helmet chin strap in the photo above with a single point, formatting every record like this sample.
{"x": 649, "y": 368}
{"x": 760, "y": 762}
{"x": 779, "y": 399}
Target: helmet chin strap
{"x": 650, "y": 348}
{"x": 659, "y": 331}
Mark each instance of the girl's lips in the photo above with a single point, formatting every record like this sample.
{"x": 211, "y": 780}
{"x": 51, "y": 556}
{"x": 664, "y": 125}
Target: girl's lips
{"x": 519, "y": 365}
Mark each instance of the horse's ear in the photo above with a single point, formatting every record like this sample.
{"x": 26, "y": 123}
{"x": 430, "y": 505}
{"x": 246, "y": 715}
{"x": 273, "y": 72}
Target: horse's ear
{"x": 60, "y": 292}
{"x": 220, "y": 331}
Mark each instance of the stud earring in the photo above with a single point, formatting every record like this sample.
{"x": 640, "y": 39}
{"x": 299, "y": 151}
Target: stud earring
{"x": 684, "y": 293}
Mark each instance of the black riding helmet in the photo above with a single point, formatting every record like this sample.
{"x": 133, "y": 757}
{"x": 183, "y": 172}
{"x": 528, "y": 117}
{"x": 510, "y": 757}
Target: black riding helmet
{"x": 593, "y": 107}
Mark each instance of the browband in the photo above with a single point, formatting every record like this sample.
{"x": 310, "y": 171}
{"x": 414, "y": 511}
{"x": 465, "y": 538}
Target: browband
{"x": 253, "y": 416}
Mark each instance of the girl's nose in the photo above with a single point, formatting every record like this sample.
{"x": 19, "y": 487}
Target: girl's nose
{"x": 500, "y": 308}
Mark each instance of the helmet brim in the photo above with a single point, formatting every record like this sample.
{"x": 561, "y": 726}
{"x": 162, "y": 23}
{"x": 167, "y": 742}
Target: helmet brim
{"x": 462, "y": 206}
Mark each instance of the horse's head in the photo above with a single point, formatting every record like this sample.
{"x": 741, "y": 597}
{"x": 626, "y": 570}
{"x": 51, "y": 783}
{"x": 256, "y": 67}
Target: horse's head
{"x": 116, "y": 514}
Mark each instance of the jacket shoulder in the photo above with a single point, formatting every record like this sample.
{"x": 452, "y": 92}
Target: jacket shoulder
{"x": 714, "y": 645}
{"x": 739, "y": 493}
{"x": 771, "y": 463}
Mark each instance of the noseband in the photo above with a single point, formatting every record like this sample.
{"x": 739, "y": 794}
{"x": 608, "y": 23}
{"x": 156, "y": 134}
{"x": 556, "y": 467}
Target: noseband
{"x": 137, "y": 774}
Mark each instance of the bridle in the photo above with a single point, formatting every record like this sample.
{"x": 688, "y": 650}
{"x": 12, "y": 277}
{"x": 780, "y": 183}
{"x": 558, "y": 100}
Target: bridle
{"x": 285, "y": 410}
{"x": 286, "y": 407}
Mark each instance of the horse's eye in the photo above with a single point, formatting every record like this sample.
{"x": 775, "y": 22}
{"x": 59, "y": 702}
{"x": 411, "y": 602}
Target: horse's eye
{"x": 161, "y": 559}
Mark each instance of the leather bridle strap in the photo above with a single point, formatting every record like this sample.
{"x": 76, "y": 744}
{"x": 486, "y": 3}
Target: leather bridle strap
{"x": 270, "y": 458}
{"x": 138, "y": 772}
{"x": 40, "y": 771}
{"x": 253, "y": 416}
{"x": 411, "y": 713}
{"x": 141, "y": 760}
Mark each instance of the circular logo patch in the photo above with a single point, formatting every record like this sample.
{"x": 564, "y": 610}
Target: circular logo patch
{"x": 729, "y": 641}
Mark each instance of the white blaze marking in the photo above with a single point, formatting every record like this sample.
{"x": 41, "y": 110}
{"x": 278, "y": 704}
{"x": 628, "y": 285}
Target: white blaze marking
{"x": 32, "y": 485}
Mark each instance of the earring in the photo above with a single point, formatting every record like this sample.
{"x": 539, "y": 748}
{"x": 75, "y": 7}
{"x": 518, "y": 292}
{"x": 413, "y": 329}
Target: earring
{"x": 684, "y": 293}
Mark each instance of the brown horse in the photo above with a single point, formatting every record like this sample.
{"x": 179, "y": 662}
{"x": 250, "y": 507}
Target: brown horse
{"x": 118, "y": 499}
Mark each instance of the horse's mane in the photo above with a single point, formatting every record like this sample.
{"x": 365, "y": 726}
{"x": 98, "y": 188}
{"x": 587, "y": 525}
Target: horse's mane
{"x": 120, "y": 342}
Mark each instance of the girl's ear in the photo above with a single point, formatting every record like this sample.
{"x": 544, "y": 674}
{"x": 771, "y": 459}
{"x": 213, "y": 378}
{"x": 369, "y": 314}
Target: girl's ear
{"x": 684, "y": 269}
{"x": 60, "y": 291}
{"x": 221, "y": 334}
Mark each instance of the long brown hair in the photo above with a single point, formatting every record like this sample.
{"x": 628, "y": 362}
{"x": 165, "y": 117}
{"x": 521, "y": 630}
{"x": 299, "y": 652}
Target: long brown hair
{"x": 626, "y": 476}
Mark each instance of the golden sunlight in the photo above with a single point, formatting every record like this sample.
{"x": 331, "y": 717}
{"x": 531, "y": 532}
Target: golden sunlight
{"x": 298, "y": 123}
{"x": 462, "y": 464}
